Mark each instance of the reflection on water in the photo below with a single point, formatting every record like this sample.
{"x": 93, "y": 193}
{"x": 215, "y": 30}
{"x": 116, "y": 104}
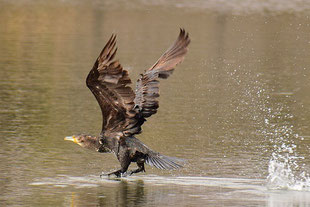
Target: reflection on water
{"x": 158, "y": 191}
{"x": 237, "y": 109}
{"x": 155, "y": 190}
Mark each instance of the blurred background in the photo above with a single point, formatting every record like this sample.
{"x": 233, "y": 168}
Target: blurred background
{"x": 237, "y": 109}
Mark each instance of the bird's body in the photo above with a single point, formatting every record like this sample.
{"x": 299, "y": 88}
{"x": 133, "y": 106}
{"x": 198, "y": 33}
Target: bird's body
{"x": 124, "y": 111}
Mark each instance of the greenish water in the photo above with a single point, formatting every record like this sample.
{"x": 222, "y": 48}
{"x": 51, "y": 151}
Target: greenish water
{"x": 237, "y": 108}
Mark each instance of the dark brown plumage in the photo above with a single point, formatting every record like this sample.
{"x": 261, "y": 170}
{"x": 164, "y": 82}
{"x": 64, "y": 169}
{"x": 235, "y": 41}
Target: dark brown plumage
{"x": 124, "y": 111}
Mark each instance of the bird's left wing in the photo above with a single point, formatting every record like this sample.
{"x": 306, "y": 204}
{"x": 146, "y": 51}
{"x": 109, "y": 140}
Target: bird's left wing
{"x": 108, "y": 82}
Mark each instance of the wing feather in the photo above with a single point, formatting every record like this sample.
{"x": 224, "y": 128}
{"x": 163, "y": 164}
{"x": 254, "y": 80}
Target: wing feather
{"x": 147, "y": 87}
{"x": 108, "y": 82}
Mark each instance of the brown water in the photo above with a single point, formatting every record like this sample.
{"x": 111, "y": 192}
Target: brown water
{"x": 237, "y": 108}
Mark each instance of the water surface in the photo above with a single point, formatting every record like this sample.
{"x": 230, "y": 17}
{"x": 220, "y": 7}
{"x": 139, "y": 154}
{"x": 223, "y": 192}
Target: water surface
{"x": 237, "y": 108}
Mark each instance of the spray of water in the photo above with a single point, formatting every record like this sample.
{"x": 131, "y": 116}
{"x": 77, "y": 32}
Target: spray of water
{"x": 272, "y": 113}
{"x": 286, "y": 169}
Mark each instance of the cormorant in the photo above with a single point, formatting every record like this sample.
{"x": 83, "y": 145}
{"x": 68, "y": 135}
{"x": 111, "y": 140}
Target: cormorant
{"x": 123, "y": 111}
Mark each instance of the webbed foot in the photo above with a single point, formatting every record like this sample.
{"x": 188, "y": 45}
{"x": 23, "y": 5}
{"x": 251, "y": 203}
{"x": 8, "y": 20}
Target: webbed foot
{"x": 136, "y": 171}
{"x": 117, "y": 173}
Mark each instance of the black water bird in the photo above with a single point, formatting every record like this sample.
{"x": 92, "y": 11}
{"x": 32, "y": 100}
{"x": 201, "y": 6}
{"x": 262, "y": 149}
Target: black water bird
{"x": 124, "y": 111}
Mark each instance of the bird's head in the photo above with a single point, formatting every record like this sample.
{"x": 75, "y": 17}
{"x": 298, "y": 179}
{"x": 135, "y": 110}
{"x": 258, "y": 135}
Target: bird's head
{"x": 86, "y": 141}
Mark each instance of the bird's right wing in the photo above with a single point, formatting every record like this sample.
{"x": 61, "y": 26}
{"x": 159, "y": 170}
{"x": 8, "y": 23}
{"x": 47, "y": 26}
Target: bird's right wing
{"x": 147, "y": 88}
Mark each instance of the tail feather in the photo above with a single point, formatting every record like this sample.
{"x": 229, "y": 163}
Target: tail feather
{"x": 158, "y": 163}
{"x": 164, "y": 162}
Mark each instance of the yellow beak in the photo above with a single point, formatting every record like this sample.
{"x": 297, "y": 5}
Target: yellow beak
{"x": 71, "y": 138}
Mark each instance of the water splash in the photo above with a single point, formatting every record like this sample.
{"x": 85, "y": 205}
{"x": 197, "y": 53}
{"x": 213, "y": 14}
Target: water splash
{"x": 286, "y": 169}
{"x": 271, "y": 112}
{"x": 281, "y": 175}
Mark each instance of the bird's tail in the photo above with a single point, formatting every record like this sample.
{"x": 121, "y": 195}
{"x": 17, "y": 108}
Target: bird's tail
{"x": 164, "y": 162}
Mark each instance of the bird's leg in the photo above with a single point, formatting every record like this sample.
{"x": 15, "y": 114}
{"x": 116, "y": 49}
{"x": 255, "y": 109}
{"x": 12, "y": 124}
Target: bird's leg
{"x": 140, "y": 168}
{"x": 125, "y": 162}
{"x": 118, "y": 173}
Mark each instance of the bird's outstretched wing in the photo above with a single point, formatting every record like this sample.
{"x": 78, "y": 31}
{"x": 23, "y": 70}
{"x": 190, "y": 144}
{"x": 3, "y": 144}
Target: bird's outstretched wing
{"x": 108, "y": 82}
{"x": 147, "y": 88}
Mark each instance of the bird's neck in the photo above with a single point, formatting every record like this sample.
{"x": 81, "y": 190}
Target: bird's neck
{"x": 92, "y": 143}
